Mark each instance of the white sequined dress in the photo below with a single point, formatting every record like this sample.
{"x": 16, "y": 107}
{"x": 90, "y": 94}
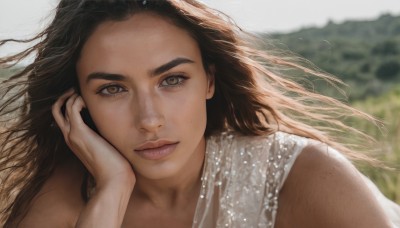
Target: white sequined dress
{"x": 242, "y": 177}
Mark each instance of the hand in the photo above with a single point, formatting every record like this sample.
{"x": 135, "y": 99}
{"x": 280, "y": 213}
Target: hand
{"x": 102, "y": 160}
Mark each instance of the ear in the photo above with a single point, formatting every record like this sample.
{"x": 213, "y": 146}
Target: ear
{"x": 210, "y": 81}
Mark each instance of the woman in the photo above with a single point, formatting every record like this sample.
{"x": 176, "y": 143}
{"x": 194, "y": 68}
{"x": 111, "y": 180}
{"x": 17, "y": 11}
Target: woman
{"x": 159, "y": 114}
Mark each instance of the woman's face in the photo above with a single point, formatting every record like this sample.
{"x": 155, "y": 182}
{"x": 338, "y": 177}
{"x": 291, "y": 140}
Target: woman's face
{"x": 143, "y": 80}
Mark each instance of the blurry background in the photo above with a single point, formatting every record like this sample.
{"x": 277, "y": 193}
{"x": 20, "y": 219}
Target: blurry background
{"x": 356, "y": 40}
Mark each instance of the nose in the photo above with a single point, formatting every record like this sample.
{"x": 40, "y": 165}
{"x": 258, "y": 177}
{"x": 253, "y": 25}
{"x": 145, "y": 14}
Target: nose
{"x": 149, "y": 114}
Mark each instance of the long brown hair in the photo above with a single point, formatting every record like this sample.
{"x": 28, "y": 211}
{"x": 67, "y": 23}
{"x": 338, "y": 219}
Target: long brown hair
{"x": 254, "y": 94}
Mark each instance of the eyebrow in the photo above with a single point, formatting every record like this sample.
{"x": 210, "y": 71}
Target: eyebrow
{"x": 105, "y": 76}
{"x": 157, "y": 71}
{"x": 171, "y": 64}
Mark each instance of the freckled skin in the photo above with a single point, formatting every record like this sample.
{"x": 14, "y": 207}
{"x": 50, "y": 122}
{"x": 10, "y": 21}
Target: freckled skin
{"x": 142, "y": 108}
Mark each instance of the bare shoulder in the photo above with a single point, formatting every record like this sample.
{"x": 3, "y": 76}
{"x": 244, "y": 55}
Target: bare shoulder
{"x": 324, "y": 189}
{"x": 58, "y": 203}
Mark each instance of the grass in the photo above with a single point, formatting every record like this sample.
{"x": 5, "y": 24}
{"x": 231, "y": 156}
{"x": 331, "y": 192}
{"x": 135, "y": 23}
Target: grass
{"x": 387, "y": 109}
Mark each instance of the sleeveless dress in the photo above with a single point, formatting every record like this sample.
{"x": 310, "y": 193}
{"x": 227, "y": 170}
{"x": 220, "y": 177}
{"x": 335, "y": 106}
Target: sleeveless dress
{"x": 242, "y": 177}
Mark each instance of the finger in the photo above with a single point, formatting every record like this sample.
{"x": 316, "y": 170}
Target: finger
{"x": 76, "y": 109}
{"x": 56, "y": 109}
{"x": 68, "y": 106}
{"x": 73, "y": 137}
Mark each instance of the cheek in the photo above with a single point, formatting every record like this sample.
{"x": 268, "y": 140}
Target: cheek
{"x": 109, "y": 121}
{"x": 190, "y": 112}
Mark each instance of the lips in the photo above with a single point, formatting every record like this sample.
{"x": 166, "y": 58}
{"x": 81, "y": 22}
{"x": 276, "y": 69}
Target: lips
{"x": 154, "y": 150}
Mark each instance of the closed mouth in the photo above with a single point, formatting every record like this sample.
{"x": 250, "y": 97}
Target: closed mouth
{"x": 157, "y": 152}
{"x": 154, "y": 145}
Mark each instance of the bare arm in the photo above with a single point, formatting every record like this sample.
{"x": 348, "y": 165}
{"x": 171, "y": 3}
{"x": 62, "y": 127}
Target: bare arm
{"x": 324, "y": 190}
{"x": 112, "y": 172}
{"x": 107, "y": 207}
{"x": 59, "y": 202}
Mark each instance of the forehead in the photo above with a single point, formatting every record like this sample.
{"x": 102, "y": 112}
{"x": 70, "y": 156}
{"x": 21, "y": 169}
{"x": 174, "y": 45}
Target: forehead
{"x": 144, "y": 39}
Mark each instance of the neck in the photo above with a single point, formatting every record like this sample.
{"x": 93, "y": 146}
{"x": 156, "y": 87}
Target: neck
{"x": 177, "y": 190}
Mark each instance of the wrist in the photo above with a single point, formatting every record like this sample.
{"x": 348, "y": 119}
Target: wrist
{"x": 117, "y": 184}
{"x": 107, "y": 206}
{"x": 122, "y": 180}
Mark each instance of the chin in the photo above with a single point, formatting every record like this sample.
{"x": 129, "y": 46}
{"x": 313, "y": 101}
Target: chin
{"x": 157, "y": 173}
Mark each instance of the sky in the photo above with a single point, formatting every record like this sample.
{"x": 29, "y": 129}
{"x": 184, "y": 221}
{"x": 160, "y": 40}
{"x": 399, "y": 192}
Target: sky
{"x": 289, "y": 15}
{"x": 22, "y": 18}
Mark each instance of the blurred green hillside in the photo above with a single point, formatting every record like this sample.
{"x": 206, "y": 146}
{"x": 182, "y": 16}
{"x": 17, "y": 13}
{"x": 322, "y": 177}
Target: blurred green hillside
{"x": 364, "y": 54}
{"x": 386, "y": 108}
{"x": 4, "y": 73}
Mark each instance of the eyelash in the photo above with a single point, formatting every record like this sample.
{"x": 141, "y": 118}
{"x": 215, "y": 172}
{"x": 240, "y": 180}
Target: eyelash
{"x": 181, "y": 80}
{"x": 101, "y": 90}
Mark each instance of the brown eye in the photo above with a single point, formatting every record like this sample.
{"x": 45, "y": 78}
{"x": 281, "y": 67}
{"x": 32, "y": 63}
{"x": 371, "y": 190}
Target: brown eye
{"x": 111, "y": 90}
{"x": 173, "y": 81}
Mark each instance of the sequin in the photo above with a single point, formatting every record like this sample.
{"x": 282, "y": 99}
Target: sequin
{"x": 241, "y": 179}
